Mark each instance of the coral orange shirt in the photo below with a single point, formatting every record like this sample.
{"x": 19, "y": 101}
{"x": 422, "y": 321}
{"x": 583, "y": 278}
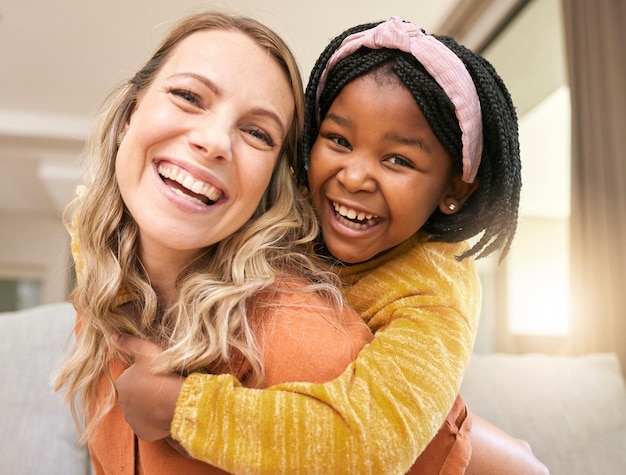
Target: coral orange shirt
{"x": 301, "y": 340}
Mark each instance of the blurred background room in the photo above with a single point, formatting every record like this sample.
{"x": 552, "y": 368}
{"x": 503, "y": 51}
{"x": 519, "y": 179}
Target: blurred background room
{"x": 559, "y": 291}
{"x": 560, "y": 288}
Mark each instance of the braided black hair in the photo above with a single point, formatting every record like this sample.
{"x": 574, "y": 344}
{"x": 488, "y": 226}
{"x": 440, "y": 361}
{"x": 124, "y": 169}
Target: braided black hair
{"x": 492, "y": 210}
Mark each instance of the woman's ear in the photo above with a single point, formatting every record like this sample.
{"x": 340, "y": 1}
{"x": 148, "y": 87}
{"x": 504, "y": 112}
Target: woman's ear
{"x": 457, "y": 194}
{"x": 122, "y": 134}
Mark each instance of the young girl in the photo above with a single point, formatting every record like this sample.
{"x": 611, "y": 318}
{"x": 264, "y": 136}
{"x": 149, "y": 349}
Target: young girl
{"x": 405, "y": 133}
{"x": 190, "y": 233}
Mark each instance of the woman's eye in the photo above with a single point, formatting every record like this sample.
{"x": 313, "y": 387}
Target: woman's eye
{"x": 264, "y": 137}
{"x": 187, "y": 95}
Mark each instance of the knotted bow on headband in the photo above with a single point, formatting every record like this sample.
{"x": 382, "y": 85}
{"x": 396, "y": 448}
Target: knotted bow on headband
{"x": 442, "y": 64}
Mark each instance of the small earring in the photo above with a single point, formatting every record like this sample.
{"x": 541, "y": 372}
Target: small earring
{"x": 452, "y": 206}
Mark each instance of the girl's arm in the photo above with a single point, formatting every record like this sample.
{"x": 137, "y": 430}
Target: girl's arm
{"x": 380, "y": 414}
{"x": 300, "y": 338}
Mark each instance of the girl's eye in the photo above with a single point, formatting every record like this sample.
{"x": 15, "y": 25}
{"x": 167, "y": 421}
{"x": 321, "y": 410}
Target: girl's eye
{"x": 340, "y": 141}
{"x": 403, "y": 162}
{"x": 187, "y": 95}
{"x": 261, "y": 135}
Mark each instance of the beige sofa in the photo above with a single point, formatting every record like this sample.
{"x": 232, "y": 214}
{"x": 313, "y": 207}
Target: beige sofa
{"x": 571, "y": 410}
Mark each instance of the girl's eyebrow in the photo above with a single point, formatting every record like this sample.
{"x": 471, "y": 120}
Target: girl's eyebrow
{"x": 259, "y": 111}
{"x": 337, "y": 119}
{"x": 410, "y": 141}
{"x": 399, "y": 139}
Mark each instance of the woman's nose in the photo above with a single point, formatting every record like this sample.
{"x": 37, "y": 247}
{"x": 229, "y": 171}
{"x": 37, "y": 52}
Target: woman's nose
{"x": 211, "y": 137}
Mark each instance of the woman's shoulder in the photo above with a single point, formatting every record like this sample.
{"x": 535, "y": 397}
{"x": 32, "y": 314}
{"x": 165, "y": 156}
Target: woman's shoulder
{"x": 305, "y": 338}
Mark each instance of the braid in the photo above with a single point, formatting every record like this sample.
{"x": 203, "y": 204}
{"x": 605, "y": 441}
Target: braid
{"x": 491, "y": 211}
{"x": 432, "y": 101}
{"x": 311, "y": 127}
{"x": 493, "y": 208}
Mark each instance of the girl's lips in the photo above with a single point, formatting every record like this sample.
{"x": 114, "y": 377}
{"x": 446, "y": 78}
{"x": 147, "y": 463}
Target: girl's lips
{"x": 352, "y": 218}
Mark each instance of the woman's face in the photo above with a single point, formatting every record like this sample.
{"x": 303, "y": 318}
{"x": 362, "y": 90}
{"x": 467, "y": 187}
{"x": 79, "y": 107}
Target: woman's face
{"x": 377, "y": 169}
{"x": 202, "y": 143}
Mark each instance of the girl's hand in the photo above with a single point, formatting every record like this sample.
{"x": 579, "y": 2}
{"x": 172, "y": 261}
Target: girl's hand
{"x": 147, "y": 399}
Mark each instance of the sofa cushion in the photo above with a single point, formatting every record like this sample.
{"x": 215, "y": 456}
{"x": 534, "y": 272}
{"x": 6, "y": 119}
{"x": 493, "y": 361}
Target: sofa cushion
{"x": 572, "y": 410}
{"x": 37, "y": 434}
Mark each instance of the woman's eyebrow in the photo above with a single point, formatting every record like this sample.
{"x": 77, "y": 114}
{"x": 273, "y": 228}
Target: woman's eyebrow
{"x": 203, "y": 79}
{"x": 259, "y": 111}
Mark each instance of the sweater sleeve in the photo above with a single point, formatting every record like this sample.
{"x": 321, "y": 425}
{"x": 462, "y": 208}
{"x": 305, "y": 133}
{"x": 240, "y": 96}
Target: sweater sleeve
{"x": 375, "y": 418}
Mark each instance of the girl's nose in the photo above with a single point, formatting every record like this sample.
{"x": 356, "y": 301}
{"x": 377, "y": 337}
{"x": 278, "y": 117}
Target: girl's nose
{"x": 357, "y": 174}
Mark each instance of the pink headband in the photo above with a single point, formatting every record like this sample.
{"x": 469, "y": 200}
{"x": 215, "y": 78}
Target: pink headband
{"x": 442, "y": 64}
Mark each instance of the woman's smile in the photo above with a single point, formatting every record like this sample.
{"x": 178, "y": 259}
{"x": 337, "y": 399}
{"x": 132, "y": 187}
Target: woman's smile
{"x": 202, "y": 143}
{"x": 184, "y": 184}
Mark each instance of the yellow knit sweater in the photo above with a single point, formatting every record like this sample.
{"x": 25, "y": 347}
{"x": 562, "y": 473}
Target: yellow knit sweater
{"x": 380, "y": 414}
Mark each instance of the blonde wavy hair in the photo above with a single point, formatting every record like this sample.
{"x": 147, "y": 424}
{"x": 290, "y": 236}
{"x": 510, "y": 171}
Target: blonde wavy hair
{"x": 209, "y": 328}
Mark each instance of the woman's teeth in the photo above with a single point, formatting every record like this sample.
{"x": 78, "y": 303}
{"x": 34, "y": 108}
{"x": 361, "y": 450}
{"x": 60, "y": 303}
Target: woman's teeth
{"x": 199, "y": 188}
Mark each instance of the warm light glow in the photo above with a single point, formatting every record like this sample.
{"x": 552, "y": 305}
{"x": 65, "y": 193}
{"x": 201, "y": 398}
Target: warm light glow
{"x": 538, "y": 279}
{"x": 538, "y": 264}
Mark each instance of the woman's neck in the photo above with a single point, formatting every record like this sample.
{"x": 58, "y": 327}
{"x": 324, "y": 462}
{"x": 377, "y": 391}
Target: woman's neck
{"x": 163, "y": 266}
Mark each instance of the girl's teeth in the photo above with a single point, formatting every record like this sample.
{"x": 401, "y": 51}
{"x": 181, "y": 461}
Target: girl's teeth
{"x": 352, "y": 224}
{"x": 350, "y": 213}
{"x": 351, "y": 218}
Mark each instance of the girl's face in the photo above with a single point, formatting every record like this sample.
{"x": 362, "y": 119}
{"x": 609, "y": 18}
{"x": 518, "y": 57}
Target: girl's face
{"x": 377, "y": 170}
{"x": 202, "y": 143}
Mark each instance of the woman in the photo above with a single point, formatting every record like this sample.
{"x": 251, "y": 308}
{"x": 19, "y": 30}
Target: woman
{"x": 191, "y": 234}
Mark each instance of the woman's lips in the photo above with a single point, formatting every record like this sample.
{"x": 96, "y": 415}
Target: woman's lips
{"x": 186, "y": 185}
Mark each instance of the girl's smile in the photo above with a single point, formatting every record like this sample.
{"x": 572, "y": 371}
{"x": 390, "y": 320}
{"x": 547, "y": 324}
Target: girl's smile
{"x": 377, "y": 170}
{"x": 353, "y": 218}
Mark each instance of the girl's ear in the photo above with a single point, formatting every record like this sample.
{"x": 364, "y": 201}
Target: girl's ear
{"x": 457, "y": 194}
